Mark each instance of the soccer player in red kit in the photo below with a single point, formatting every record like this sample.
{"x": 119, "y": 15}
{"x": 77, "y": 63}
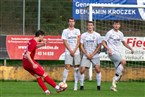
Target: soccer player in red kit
{"x": 35, "y": 68}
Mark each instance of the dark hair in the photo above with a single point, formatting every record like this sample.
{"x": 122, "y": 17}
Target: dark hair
{"x": 71, "y": 19}
{"x": 39, "y": 32}
{"x": 90, "y": 22}
{"x": 116, "y": 21}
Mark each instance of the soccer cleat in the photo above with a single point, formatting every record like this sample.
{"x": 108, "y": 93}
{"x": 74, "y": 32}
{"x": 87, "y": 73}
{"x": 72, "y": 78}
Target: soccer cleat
{"x": 81, "y": 87}
{"x": 64, "y": 89}
{"x": 75, "y": 89}
{"x": 113, "y": 89}
{"x": 98, "y": 88}
{"x": 48, "y": 93}
{"x": 60, "y": 90}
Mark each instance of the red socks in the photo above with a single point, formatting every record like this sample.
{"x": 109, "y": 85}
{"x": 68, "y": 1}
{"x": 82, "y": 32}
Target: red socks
{"x": 50, "y": 81}
{"x": 41, "y": 84}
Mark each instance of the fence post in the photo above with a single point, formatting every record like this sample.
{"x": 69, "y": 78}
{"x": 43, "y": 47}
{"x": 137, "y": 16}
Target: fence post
{"x": 23, "y": 17}
{"x": 5, "y": 62}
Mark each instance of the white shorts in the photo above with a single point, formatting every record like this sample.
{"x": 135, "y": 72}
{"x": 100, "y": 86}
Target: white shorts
{"x": 87, "y": 63}
{"x": 116, "y": 59}
{"x": 72, "y": 60}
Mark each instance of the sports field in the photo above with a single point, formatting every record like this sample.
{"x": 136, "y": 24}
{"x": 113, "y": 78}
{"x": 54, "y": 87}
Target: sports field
{"x": 31, "y": 89}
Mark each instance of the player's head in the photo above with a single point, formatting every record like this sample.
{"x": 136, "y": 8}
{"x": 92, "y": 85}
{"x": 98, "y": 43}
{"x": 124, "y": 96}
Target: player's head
{"x": 116, "y": 25}
{"x": 90, "y": 25}
{"x": 71, "y": 22}
{"x": 40, "y": 35}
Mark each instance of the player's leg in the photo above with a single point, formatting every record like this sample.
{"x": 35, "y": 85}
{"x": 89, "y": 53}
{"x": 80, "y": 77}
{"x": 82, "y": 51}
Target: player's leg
{"x": 120, "y": 70}
{"x": 76, "y": 76}
{"x": 65, "y": 72}
{"x": 68, "y": 62}
{"x": 96, "y": 63}
{"x": 85, "y": 63}
{"x": 42, "y": 84}
{"x": 116, "y": 58}
{"x": 40, "y": 72}
{"x": 76, "y": 70}
{"x": 82, "y": 77}
{"x": 27, "y": 66}
{"x": 52, "y": 83}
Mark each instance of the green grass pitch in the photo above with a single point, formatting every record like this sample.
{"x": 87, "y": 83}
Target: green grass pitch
{"x": 31, "y": 89}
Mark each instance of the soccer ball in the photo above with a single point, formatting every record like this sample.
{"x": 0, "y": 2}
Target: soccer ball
{"x": 63, "y": 85}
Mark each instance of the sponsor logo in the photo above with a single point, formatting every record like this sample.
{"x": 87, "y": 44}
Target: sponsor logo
{"x": 136, "y": 42}
{"x": 141, "y": 10}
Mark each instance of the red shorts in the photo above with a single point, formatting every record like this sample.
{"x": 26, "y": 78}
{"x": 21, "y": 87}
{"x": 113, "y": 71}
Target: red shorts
{"x": 28, "y": 66}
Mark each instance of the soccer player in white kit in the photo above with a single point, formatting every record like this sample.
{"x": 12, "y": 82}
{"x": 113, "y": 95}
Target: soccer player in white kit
{"x": 111, "y": 42}
{"x": 90, "y": 46}
{"x": 71, "y": 39}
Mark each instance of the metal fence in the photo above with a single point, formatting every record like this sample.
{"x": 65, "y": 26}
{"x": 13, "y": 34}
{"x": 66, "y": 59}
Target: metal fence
{"x": 24, "y": 17}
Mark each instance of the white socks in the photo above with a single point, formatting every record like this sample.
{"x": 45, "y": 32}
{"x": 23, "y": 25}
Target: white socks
{"x": 98, "y": 78}
{"x": 81, "y": 76}
{"x": 65, "y": 74}
{"x": 47, "y": 91}
{"x": 118, "y": 72}
{"x": 76, "y": 75}
{"x": 57, "y": 87}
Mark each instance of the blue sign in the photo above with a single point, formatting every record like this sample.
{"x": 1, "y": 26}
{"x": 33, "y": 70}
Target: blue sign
{"x": 80, "y": 10}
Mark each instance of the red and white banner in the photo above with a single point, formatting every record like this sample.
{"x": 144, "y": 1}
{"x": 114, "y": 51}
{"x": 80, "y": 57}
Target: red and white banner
{"x": 54, "y": 50}
{"x": 138, "y": 45}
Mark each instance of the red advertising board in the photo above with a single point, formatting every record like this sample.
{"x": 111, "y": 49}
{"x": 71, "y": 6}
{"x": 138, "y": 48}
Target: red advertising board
{"x": 54, "y": 50}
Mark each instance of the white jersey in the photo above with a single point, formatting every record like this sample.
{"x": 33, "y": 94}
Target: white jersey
{"x": 114, "y": 40}
{"x": 71, "y": 36}
{"x": 90, "y": 42}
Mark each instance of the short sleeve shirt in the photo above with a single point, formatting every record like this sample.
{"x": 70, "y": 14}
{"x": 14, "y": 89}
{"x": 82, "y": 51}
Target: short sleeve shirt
{"x": 71, "y": 36}
{"x": 90, "y": 42}
{"x": 31, "y": 47}
{"x": 114, "y": 40}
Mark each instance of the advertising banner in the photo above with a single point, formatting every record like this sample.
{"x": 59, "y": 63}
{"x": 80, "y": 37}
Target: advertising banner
{"x": 80, "y": 9}
{"x": 54, "y": 50}
{"x": 138, "y": 45}
{"x": 13, "y": 47}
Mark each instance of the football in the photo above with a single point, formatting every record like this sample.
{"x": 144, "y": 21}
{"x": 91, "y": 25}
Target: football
{"x": 63, "y": 85}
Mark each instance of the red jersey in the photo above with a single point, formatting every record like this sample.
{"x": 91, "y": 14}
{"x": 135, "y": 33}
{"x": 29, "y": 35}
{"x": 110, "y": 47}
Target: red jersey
{"x": 27, "y": 64}
{"x": 31, "y": 47}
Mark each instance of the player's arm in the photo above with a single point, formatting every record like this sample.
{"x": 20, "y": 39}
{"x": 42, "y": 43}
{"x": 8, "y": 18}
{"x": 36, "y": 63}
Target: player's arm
{"x": 96, "y": 50}
{"x": 84, "y": 51}
{"x": 78, "y": 43}
{"x": 104, "y": 43}
{"x": 127, "y": 46}
{"x": 64, "y": 37}
{"x": 66, "y": 45}
{"x": 41, "y": 45}
{"x": 30, "y": 59}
